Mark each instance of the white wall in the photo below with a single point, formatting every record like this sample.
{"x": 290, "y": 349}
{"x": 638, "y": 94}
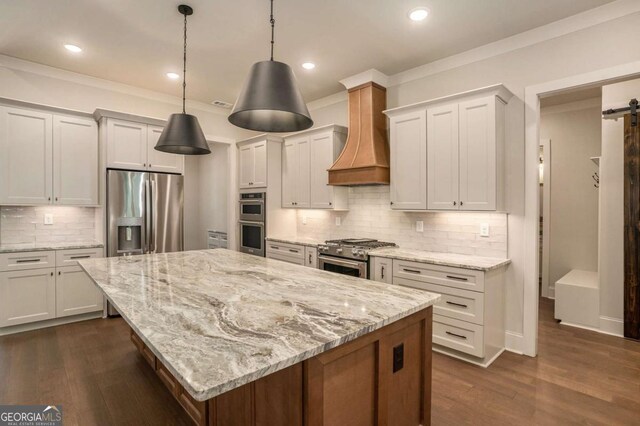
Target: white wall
{"x": 596, "y": 47}
{"x": 575, "y": 133}
{"x": 611, "y": 208}
{"x": 40, "y": 84}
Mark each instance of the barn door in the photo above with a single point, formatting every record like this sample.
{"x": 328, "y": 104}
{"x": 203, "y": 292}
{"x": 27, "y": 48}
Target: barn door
{"x": 631, "y": 228}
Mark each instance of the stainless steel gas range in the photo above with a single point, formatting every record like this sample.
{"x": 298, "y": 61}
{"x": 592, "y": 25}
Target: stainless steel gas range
{"x": 348, "y": 256}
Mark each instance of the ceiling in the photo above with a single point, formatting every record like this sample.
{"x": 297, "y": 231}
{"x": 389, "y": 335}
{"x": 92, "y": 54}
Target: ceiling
{"x": 137, "y": 42}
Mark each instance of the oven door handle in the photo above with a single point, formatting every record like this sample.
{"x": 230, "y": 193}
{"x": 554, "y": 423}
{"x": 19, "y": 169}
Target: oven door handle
{"x": 248, "y": 222}
{"x": 340, "y": 262}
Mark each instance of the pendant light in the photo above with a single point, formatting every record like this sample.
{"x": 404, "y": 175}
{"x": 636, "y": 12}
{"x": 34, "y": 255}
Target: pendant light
{"x": 270, "y": 100}
{"x": 182, "y": 134}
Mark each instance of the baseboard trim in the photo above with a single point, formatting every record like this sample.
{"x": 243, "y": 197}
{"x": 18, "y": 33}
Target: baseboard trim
{"x": 611, "y": 326}
{"x": 49, "y": 323}
{"x": 514, "y": 342}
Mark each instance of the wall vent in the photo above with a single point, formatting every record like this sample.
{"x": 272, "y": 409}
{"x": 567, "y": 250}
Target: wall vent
{"x": 222, "y": 104}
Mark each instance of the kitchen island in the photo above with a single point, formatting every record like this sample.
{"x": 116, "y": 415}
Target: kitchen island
{"x": 240, "y": 339}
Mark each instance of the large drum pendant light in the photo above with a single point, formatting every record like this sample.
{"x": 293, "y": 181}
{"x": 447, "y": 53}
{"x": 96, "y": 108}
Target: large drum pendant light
{"x": 182, "y": 134}
{"x": 270, "y": 100}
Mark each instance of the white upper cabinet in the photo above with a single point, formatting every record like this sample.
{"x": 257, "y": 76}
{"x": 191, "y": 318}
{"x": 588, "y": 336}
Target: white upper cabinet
{"x": 130, "y": 145}
{"x": 295, "y": 172}
{"x": 480, "y": 142}
{"x": 306, "y": 157}
{"x": 459, "y": 163}
{"x": 26, "y": 143}
{"x": 409, "y": 161}
{"x": 159, "y": 161}
{"x": 47, "y": 158}
{"x": 75, "y": 161}
{"x": 252, "y": 165}
{"x": 442, "y": 157}
{"x": 126, "y": 145}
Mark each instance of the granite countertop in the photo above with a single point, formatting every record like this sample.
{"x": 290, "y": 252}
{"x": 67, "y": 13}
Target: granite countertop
{"x": 303, "y": 241}
{"x": 478, "y": 263}
{"x": 15, "y": 248}
{"x": 219, "y": 319}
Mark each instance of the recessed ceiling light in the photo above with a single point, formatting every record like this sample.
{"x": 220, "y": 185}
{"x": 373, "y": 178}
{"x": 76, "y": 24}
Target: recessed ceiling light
{"x": 173, "y": 75}
{"x": 308, "y": 65}
{"x": 72, "y": 48}
{"x": 418, "y": 14}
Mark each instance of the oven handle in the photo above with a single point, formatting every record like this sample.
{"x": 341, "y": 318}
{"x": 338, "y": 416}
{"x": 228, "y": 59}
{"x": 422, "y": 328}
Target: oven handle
{"x": 340, "y": 262}
{"x": 251, "y": 201}
{"x": 248, "y": 222}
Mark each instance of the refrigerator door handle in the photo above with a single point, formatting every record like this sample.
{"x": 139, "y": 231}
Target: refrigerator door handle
{"x": 147, "y": 216}
{"x": 152, "y": 214}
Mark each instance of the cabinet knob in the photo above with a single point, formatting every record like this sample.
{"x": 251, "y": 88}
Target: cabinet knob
{"x": 49, "y": 199}
{"x": 391, "y": 203}
{"x": 461, "y": 203}
{"x": 330, "y": 203}
{"x": 455, "y": 203}
{"x": 59, "y": 273}
{"x": 56, "y": 198}
{"x": 52, "y": 274}
{"x": 149, "y": 164}
{"x": 144, "y": 164}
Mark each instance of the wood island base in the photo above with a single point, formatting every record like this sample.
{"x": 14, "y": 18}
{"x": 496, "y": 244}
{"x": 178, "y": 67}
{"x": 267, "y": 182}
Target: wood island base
{"x": 380, "y": 378}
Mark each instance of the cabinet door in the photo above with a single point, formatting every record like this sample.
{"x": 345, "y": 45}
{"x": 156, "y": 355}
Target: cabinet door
{"x": 27, "y": 296}
{"x": 311, "y": 257}
{"x": 126, "y": 145}
{"x": 246, "y": 166}
{"x": 302, "y": 193}
{"x": 75, "y": 292}
{"x": 478, "y": 154}
{"x": 320, "y": 193}
{"x": 442, "y": 158}
{"x": 382, "y": 270}
{"x": 159, "y": 161}
{"x": 409, "y": 161}
{"x": 27, "y": 157}
{"x": 259, "y": 165}
{"x": 289, "y": 173}
{"x": 75, "y": 161}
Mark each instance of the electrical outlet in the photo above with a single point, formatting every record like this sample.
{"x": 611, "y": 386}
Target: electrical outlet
{"x": 304, "y": 220}
{"x": 338, "y": 221}
{"x": 419, "y": 226}
{"x": 48, "y": 219}
{"x": 484, "y": 229}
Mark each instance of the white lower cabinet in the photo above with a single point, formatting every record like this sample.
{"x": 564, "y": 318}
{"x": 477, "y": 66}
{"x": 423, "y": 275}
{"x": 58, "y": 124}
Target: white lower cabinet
{"x": 468, "y": 320}
{"x": 27, "y": 296}
{"x": 311, "y": 257}
{"x": 75, "y": 292}
{"x": 381, "y": 269}
{"x": 297, "y": 254}
{"x": 43, "y": 285}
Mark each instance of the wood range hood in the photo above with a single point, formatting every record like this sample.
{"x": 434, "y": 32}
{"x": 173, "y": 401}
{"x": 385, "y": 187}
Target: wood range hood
{"x": 365, "y": 157}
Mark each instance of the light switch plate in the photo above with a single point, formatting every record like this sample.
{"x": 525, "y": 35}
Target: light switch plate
{"x": 48, "y": 219}
{"x": 419, "y": 226}
{"x": 484, "y": 229}
{"x": 304, "y": 220}
{"x": 338, "y": 221}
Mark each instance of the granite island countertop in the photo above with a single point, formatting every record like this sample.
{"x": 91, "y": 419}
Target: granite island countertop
{"x": 23, "y": 247}
{"x": 219, "y": 319}
{"x": 478, "y": 263}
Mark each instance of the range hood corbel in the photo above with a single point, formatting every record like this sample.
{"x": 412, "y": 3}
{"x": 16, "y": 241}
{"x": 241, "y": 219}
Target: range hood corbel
{"x": 365, "y": 157}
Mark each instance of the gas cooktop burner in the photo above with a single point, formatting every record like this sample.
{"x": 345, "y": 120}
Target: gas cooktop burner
{"x": 354, "y": 248}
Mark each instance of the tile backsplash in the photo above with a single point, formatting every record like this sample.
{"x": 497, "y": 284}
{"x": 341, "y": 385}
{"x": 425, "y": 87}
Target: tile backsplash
{"x": 369, "y": 216}
{"x": 19, "y": 225}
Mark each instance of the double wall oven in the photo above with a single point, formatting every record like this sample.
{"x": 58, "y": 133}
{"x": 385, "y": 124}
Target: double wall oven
{"x": 252, "y": 223}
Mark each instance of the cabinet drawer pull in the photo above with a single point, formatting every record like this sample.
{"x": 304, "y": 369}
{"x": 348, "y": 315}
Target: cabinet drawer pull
{"x": 84, "y": 256}
{"x": 275, "y": 247}
{"x": 457, "y": 304}
{"x": 460, "y": 336}
{"x": 294, "y": 251}
{"x": 28, "y": 260}
{"x": 382, "y": 272}
{"x": 413, "y": 271}
{"x": 457, "y": 278}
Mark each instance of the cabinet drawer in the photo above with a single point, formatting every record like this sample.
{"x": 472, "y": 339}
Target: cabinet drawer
{"x": 459, "y": 335}
{"x": 27, "y": 260}
{"x": 285, "y": 258}
{"x": 464, "y": 305}
{"x": 71, "y": 257}
{"x": 284, "y": 249}
{"x": 197, "y": 410}
{"x": 465, "y": 279}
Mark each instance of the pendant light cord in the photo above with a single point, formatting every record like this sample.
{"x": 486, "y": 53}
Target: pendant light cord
{"x": 273, "y": 23}
{"x": 184, "y": 67}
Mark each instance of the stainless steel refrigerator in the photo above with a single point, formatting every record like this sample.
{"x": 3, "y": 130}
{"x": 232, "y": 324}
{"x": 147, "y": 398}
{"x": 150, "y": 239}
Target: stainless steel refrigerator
{"x": 144, "y": 213}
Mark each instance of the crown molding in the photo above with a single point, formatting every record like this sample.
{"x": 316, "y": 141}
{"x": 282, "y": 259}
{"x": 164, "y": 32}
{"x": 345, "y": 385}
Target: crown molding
{"x": 329, "y": 127}
{"x": 365, "y": 77}
{"x": 262, "y": 137}
{"x": 16, "y": 64}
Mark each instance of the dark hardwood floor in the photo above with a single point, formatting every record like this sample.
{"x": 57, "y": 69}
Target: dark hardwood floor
{"x": 94, "y": 371}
